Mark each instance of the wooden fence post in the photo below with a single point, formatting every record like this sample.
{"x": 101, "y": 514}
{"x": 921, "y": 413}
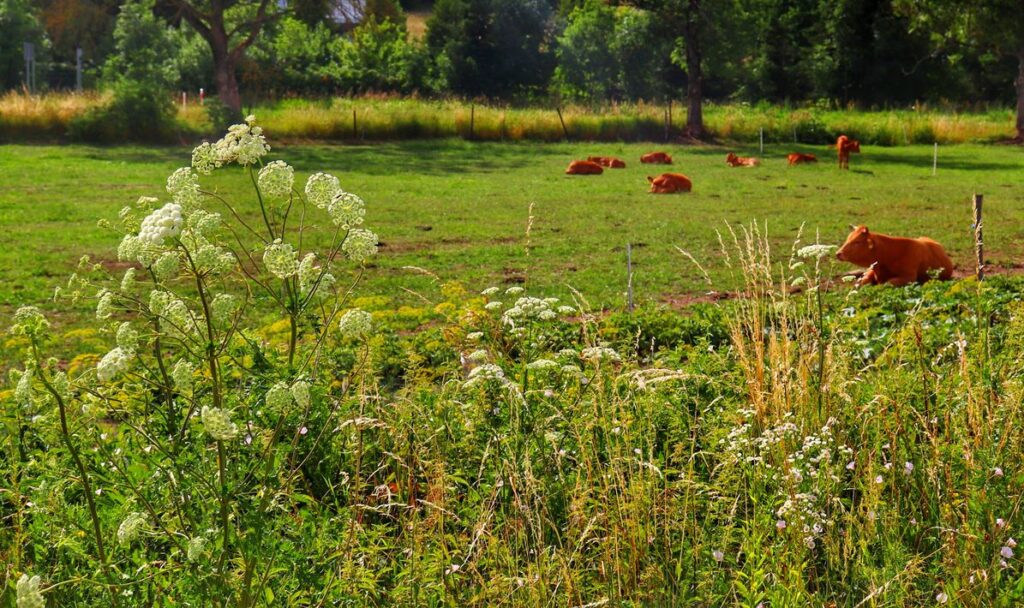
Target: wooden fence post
{"x": 979, "y": 243}
{"x": 935, "y": 159}
{"x": 354, "y": 125}
{"x": 561, "y": 120}
{"x": 472, "y": 118}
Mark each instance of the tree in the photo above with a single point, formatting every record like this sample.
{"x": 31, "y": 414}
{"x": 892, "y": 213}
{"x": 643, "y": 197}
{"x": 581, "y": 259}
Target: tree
{"x": 695, "y": 26}
{"x": 994, "y": 26}
{"x": 18, "y": 25}
{"x": 229, "y": 27}
{"x": 492, "y": 48}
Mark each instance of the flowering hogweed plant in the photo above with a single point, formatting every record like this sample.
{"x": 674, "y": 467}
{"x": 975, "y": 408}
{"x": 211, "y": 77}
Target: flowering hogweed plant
{"x": 187, "y": 377}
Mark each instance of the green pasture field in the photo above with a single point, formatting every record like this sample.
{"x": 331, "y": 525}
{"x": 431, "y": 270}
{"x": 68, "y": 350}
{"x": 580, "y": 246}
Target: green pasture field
{"x": 460, "y": 209}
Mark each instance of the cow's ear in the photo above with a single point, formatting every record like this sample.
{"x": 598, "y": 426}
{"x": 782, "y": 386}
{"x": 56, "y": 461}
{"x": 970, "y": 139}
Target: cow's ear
{"x": 853, "y": 227}
{"x": 865, "y": 230}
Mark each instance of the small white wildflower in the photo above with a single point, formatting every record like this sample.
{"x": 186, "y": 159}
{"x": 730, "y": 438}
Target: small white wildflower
{"x": 28, "y": 593}
{"x": 113, "y": 364}
{"x": 1000, "y": 522}
{"x": 542, "y": 364}
{"x": 495, "y": 305}
{"x": 183, "y": 186}
{"x": 279, "y": 398}
{"x": 474, "y": 336}
{"x": 780, "y": 524}
{"x": 490, "y": 291}
{"x": 908, "y": 467}
{"x": 105, "y": 305}
{"x": 280, "y": 259}
{"x": 276, "y": 179}
{"x": 127, "y": 337}
{"x": 851, "y": 465}
{"x": 131, "y": 528}
{"x": 321, "y": 189}
{"x": 566, "y": 310}
{"x": 879, "y": 479}
{"x": 360, "y": 244}
{"x": 162, "y": 224}
{"x": 1011, "y": 543}
{"x": 600, "y": 353}
{"x": 477, "y": 356}
{"x": 196, "y": 548}
{"x": 718, "y": 555}
{"x": 941, "y": 597}
{"x": 1006, "y": 552}
{"x": 217, "y": 423}
{"x": 815, "y": 251}
{"x": 514, "y": 290}
{"x": 1003, "y": 564}
{"x": 346, "y": 210}
{"x": 849, "y": 278}
{"x": 355, "y": 323}
{"x": 300, "y": 392}
{"x": 998, "y": 472}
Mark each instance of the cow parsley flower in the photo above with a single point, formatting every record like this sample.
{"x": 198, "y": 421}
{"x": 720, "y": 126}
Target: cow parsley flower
{"x": 28, "y": 593}
{"x": 196, "y": 548}
{"x": 490, "y": 291}
{"x": 183, "y": 186}
{"x": 158, "y": 301}
{"x": 223, "y": 307}
{"x": 300, "y": 393}
{"x": 182, "y": 375}
{"x": 542, "y": 364}
{"x": 166, "y": 266}
{"x": 244, "y": 143}
{"x": 360, "y": 245}
{"x": 29, "y": 321}
{"x": 321, "y": 188}
{"x": 495, "y": 305}
{"x": 280, "y": 259}
{"x": 217, "y": 423}
{"x": 162, "y": 224}
{"x": 488, "y": 372}
{"x": 816, "y": 252}
{"x": 204, "y": 158}
{"x": 105, "y": 305}
{"x": 279, "y": 398}
{"x": 130, "y": 529}
{"x": 23, "y": 389}
{"x": 276, "y": 179}
{"x": 127, "y": 337}
{"x": 113, "y": 364}
{"x": 128, "y": 279}
{"x": 309, "y": 272}
{"x": 346, "y": 210}
{"x": 600, "y": 353}
{"x": 355, "y": 323}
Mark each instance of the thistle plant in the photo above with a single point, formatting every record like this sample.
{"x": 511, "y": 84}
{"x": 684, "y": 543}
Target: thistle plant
{"x": 214, "y": 415}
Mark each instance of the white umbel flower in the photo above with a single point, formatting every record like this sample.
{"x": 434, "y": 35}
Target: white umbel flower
{"x": 276, "y": 179}
{"x": 321, "y": 188}
{"x": 162, "y": 224}
{"x": 182, "y": 376}
{"x": 346, "y": 210}
{"x": 28, "y": 593}
{"x": 183, "y": 186}
{"x": 279, "y": 398}
{"x": 113, "y": 364}
{"x": 300, "y": 392}
{"x": 355, "y": 323}
{"x": 204, "y": 158}
{"x": 127, "y": 337}
{"x": 217, "y": 423}
{"x": 360, "y": 245}
{"x": 131, "y": 528}
{"x": 815, "y": 252}
{"x": 280, "y": 259}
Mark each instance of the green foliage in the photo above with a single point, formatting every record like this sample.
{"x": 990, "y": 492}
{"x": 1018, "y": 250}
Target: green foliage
{"x": 18, "y": 24}
{"x": 492, "y": 48}
{"x": 380, "y": 58}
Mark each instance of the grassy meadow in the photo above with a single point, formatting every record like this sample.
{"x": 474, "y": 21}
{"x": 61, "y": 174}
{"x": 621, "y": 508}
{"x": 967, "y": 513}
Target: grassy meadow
{"x": 460, "y": 210}
{"x": 191, "y": 436}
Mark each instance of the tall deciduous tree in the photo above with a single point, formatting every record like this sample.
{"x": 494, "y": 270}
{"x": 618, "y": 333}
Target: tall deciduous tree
{"x": 996, "y": 26}
{"x": 229, "y": 27}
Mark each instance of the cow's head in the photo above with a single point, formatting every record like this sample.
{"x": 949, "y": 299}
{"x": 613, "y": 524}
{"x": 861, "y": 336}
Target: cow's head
{"x": 853, "y": 146}
{"x": 859, "y": 247}
{"x": 731, "y": 159}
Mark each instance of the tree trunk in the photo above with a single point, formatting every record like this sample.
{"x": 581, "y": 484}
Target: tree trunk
{"x": 1020, "y": 96}
{"x": 224, "y": 70}
{"x": 694, "y": 74}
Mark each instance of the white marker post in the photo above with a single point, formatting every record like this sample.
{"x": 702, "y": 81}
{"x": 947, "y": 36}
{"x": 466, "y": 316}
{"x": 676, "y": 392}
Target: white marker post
{"x": 935, "y": 159}
{"x": 184, "y": 100}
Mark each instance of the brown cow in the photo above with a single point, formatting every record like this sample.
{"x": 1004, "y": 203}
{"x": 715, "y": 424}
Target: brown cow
{"x": 656, "y": 158}
{"x": 670, "y": 183}
{"x": 797, "y": 158}
{"x": 845, "y": 145}
{"x": 608, "y": 161}
{"x": 741, "y": 161}
{"x": 894, "y": 260}
{"x": 584, "y": 167}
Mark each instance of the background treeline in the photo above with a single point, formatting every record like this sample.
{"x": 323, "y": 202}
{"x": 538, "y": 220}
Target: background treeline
{"x": 842, "y": 53}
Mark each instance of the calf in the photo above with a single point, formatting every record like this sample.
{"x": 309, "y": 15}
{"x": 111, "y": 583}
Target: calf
{"x": 656, "y": 158}
{"x": 670, "y": 183}
{"x": 741, "y": 161}
{"x": 584, "y": 167}
{"x": 796, "y": 158}
{"x": 608, "y": 161}
{"x": 894, "y": 260}
{"x": 845, "y": 145}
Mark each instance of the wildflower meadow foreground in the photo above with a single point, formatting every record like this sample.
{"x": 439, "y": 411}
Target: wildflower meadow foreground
{"x": 239, "y": 424}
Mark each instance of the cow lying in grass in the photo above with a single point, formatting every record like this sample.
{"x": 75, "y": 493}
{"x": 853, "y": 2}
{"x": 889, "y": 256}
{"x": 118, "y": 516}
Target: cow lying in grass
{"x": 608, "y": 161}
{"x": 670, "y": 183}
{"x": 584, "y": 167}
{"x": 656, "y": 158}
{"x": 894, "y": 260}
{"x": 741, "y": 161}
{"x": 845, "y": 145}
{"x": 797, "y": 158}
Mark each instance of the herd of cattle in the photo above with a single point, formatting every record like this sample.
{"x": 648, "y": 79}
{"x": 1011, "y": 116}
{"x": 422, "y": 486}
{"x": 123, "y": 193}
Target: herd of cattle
{"x": 888, "y": 259}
